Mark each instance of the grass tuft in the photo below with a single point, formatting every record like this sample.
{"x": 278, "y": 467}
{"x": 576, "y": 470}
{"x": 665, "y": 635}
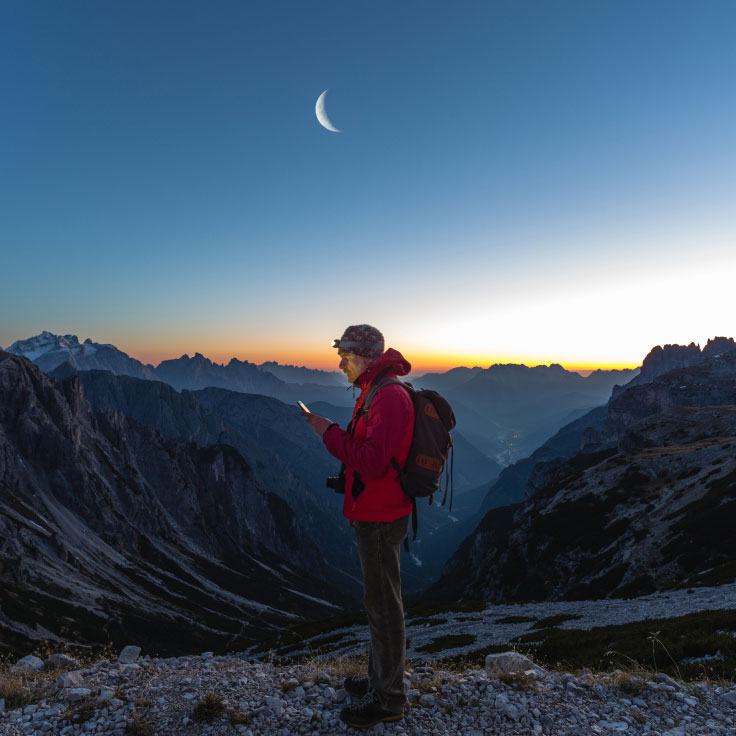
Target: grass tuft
{"x": 209, "y": 709}
{"x": 140, "y": 726}
{"x": 80, "y": 712}
{"x": 20, "y": 688}
{"x": 518, "y": 680}
{"x": 239, "y": 718}
{"x": 430, "y": 685}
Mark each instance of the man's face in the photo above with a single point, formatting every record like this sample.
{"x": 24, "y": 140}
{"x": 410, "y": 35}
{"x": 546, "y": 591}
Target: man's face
{"x": 352, "y": 365}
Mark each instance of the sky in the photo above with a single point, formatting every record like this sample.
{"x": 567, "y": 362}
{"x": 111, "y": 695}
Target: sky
{"x": 514, "y": 181}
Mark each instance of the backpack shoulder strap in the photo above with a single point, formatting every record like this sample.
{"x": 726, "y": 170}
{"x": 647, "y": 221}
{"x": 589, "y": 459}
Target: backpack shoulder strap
{"x": 378, "y": 384}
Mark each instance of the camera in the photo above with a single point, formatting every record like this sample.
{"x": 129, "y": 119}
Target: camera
{"x": 337, "y": 483}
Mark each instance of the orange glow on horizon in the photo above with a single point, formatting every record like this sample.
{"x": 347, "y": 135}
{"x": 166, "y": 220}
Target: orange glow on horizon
{"x": 326, "y": 359}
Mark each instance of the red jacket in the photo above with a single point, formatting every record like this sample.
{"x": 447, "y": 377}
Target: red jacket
{"x": 386, "y": 432}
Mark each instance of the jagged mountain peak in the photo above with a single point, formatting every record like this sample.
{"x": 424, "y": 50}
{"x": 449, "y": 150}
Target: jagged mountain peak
{"x": 49, "y": 351}
{"x": 662, "y": 359}
{"x": 717, "y": 346}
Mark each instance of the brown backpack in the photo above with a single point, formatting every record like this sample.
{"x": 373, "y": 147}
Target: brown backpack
{"x": 421, "y": 476}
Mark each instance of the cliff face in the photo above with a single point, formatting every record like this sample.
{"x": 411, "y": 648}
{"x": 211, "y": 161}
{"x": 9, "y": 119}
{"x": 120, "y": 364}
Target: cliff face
{"x": 285, "y": 456}
{"x": 671, "y": 357}
{"x": 647, "y": 506}
{"x": 109, "y": 530}
{"x": 710, "y": 382}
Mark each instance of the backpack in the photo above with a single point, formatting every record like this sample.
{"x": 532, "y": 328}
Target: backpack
{"x": 431, "y": 444}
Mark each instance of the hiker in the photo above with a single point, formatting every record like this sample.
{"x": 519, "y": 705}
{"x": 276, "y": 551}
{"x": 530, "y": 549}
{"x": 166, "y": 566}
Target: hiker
{"x": 379, "y": 511}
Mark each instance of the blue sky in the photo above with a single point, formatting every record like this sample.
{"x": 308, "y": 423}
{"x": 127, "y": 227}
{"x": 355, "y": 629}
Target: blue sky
{"x": 537, "y": 181}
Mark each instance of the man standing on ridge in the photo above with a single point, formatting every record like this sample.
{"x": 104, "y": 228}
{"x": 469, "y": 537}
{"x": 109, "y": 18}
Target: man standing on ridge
{"x": 378, "y": 509}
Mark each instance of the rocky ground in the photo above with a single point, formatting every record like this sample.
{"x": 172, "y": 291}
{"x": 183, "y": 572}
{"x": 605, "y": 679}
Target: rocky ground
{"x": 509, "y": 696}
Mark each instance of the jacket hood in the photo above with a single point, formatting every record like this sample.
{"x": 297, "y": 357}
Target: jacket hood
{"x": 392, "y": 359}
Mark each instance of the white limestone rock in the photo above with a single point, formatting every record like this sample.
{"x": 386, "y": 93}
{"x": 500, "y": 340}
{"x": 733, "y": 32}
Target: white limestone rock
{"x": 512, "y": 663}
{"x": 105, "y": 696}
{"x": 129, "y": 655}
{"x": 79, "y": 693}
{"x": 69, "y": 679}
{"x": 29, "y": 663}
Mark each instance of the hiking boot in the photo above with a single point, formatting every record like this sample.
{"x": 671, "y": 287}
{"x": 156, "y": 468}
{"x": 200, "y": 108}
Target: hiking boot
{"x": 367, "y": 712}
{"x": 356, "y": 686}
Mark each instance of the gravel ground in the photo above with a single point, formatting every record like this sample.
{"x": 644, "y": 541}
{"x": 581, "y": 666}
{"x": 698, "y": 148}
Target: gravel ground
{"x": 126, "y": 697}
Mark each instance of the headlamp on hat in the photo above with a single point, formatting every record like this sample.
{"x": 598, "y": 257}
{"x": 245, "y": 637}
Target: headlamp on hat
{"x": 351, "y": 344}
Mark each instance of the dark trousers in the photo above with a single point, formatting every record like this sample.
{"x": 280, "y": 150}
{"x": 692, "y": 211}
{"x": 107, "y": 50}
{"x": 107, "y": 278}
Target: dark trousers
{"x": 379, "y": 547}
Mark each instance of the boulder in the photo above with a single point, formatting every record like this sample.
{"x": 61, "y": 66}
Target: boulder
{"x": 129, "y": 655}
{"x": 730, "y": 697}
{"x": 60, "y": 662}
{"x": 69, "y": 679}
{"x": 513, "y": 663}
{"x": 105, "y": 696}
{"x": 79, "y": 693}
{"x": 29, "y": 663}
{"x": 667, "y": 680}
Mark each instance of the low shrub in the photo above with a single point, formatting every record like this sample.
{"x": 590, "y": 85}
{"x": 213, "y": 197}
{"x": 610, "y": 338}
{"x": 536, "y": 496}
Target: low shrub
{"x": 209, "y": 709}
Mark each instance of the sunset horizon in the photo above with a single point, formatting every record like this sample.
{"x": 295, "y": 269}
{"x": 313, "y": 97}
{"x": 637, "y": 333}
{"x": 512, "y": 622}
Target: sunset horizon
{"x": 324, "y": 358}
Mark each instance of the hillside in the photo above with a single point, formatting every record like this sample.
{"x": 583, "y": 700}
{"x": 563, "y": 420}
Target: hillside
{"x": 109, "y": 530}
{"x": 648, "y": 505}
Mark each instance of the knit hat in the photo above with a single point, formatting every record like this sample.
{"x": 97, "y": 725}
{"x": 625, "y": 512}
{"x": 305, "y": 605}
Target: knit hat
{"x": 362, "y": 340}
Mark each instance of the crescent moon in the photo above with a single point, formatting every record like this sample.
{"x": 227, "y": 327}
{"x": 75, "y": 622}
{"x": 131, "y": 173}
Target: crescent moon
{"x": 319, "y": 109}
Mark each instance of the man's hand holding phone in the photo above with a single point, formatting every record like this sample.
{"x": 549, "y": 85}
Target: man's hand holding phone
{"x": 319, "y": 424}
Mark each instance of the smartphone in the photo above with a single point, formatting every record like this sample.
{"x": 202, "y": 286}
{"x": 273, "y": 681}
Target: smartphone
{"x": 303, "y": 407}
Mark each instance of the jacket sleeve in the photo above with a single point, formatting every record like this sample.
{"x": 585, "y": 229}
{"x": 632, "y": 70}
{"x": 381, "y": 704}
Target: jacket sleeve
{"x": 389, "y": 415}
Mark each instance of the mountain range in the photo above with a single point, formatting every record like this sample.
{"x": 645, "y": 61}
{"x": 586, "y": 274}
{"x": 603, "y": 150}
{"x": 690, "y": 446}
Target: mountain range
{"x": 647, "y": 502}
{"x": 509, "y": 410}
{"x": 51, "y": 351}
{"x": 110, "y": 530}
{"x": 131, "y": 502}
{"x": 505, "y": 411}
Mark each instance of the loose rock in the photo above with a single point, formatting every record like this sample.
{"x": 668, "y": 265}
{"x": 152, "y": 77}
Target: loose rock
{"x": 129, "y": 655}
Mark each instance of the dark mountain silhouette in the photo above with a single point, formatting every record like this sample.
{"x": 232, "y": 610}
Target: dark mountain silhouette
{"x": 285, "y": 455}
{"x": 646, "y": 505}
{"x": 301, "y": 374}
{"x": 111, "y": 531}
{"x": 199, "y": 372}
{"x": 507, "y": 411}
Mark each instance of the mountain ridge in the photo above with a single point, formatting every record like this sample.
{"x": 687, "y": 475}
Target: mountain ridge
{"x": 105, "y": 524}
{"x": 662, "y": 469}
